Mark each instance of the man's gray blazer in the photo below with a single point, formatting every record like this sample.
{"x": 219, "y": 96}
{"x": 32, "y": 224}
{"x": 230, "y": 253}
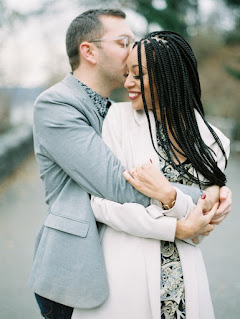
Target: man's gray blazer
{"x": 74, "y": 162}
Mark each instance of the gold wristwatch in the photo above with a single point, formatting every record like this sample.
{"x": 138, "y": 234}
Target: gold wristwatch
{"x": 166, "y": 206}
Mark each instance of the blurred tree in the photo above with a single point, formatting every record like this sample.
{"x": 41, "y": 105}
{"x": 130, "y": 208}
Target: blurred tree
{"x": 233, "y": 2}
{"x": 9, "y": 16}
{"x": 232, "y": 38}
{"x": 5, "y": 101}
{"x": 169, "y": 14}
{"x": 233, "y": 67}
{"x": 172, "y": 17}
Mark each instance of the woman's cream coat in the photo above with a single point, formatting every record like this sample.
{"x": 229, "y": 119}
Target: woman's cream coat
{"x": 133, "y": 263}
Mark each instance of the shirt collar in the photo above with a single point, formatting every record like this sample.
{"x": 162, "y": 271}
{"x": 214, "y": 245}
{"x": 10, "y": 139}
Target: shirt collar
{"x": 102, "y": 104}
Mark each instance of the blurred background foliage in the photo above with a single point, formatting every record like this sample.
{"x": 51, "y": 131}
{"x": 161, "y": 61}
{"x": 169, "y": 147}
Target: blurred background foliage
{"x": 215, "y": 41}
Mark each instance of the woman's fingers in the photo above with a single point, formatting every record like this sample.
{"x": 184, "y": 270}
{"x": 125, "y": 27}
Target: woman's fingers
{"x": 128, "y": 177}
{"x": 150, "y": 181}
{"x": 132, "y": 171}
{"x": 133, "y": 181}
{"x": 139, "y": 171}
{"x": 199, "y": 208}
{"x": 200, "y": 222}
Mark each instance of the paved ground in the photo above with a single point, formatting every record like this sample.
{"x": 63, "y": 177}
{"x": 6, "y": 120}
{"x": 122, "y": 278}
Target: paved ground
{"x": 22, "y": 209}
{"x": 222, "y": 254}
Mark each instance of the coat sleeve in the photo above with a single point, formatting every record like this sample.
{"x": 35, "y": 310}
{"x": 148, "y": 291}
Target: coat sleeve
{"x": 135, "y": 219}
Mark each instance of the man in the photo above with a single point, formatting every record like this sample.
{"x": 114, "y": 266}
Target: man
{"x": 68, "y": 269}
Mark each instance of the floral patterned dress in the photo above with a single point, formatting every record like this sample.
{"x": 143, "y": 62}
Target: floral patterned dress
{"x": 172, "y": 281}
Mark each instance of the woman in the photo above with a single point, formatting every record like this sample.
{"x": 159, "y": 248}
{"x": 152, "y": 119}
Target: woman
{"x": 165, "y": 278}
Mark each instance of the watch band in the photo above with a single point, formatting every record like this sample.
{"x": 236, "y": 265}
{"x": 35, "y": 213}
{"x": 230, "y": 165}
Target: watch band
{"x": 166, "y": 206}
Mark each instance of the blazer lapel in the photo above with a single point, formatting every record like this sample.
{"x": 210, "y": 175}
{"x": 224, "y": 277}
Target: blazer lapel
{"x": 72, "y": 82}
{"x": 84, "y": 100}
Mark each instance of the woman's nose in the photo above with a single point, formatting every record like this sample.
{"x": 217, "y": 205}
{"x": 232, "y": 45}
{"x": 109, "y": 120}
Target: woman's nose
{"x": 129, "y": 83}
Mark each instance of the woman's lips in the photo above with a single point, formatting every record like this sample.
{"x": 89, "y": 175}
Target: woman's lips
{"x": 133, "y": 95}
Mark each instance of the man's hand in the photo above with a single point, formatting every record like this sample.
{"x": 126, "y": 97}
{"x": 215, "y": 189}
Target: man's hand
{"x": 212, "y": 197}
{"x": 224, "y": 207}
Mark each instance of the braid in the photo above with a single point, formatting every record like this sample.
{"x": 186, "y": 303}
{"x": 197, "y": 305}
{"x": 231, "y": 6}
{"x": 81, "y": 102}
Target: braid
{"x": 159, "y": 77}
{"x": 143, "y": 92}
{"x": 172, "y": 67}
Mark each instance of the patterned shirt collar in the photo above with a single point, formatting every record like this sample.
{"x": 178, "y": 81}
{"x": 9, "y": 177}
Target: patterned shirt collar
{"x": 102, "y": 105}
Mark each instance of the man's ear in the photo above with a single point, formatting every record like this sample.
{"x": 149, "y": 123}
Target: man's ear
{"x": 88, "y": 51}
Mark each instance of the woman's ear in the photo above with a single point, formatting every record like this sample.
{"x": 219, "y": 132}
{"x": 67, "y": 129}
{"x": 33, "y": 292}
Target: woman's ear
{"x": 88, "y": 52}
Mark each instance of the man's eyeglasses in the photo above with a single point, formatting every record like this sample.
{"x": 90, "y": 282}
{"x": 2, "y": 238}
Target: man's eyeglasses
{"x": 125, "y": 40}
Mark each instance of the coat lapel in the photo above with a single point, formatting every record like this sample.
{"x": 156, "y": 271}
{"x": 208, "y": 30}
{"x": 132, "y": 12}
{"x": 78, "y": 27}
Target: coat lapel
{"x": 143, "y": 151}
{"x": 141, "y": 143}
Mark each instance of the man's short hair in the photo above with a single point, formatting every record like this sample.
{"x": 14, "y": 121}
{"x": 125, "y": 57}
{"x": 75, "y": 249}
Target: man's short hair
{"x": 85, "y": 27}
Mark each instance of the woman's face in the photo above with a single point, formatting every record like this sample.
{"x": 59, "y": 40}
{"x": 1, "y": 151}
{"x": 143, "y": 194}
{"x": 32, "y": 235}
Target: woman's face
{"x": 132, "y": 83}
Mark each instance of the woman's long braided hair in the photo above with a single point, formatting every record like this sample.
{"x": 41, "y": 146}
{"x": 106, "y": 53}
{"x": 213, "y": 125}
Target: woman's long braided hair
{"x": 172, "y": 66}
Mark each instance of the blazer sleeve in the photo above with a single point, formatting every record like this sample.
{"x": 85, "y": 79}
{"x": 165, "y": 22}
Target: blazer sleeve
{"x": 66, "y": 136}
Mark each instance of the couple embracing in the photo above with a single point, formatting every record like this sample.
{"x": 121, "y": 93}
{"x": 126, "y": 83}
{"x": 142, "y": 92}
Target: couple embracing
{"x": 132, "y": 188}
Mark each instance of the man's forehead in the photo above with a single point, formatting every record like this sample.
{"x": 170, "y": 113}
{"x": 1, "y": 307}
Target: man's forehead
{"x": 116, "y": 26}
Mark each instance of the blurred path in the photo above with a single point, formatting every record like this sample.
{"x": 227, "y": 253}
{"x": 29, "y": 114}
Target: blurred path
{"x": 221, "y": 253}
{"x": 22, "y": 210}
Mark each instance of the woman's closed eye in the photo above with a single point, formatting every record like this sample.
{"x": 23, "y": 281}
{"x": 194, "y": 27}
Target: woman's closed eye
{"x": 137, "y": 77}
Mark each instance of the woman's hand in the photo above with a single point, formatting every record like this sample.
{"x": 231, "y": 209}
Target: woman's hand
{"x": 150, "y": 181}
{"x": 197, "y": 223}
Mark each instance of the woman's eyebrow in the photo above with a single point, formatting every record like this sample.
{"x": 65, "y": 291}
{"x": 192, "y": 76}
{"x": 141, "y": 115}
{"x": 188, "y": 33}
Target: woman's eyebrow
{"x": 137, "y": 66}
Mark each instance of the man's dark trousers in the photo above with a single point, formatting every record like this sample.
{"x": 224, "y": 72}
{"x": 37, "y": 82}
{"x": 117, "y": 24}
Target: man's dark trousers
{"x": 53, "y": 310}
